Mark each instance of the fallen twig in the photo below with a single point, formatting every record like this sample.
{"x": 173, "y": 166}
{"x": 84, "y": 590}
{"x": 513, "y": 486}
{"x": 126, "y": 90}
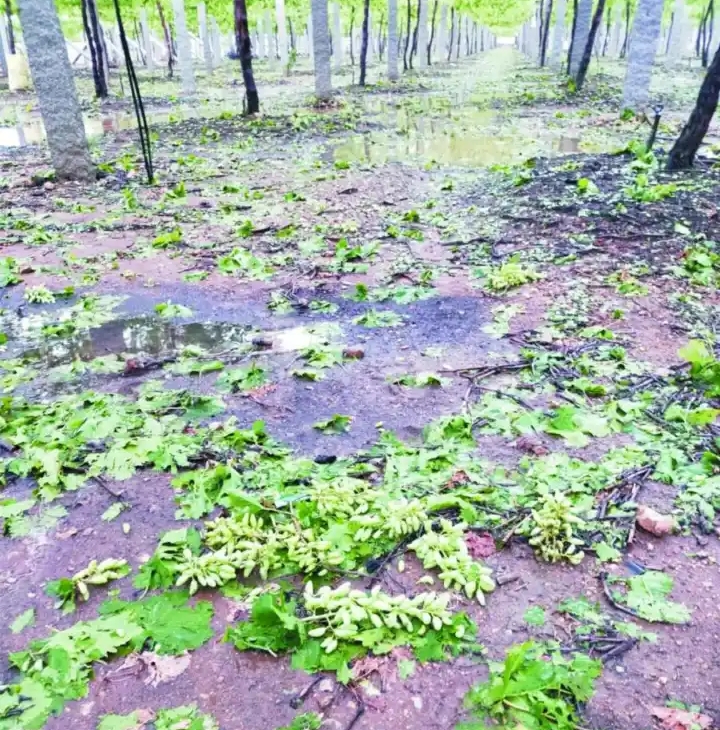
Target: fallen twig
{"x": 379, "y": 565}
{"x": 618, "y": 650}
{"x": 358, "y": 714}
{"x": 300, "y": 697}
{"x": 264, "y": 229}
{"x": 502, "y": 394}
{"x": 469, "y": 242}
{"x": 634, "y": 477}
{"x": 483, "y": 371}
{"x": 612, "y": 601}
{"x": 102, "y": 483}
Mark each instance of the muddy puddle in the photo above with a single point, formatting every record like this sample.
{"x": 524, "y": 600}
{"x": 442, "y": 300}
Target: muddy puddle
{"x": 20, "y": 127}
{"x": 154, "y": 337}
{"x": 430, "y": 144}
{"x": 148, "y": 336}
{"x": 442, "y": 132}
{"x": 29, "y": 129}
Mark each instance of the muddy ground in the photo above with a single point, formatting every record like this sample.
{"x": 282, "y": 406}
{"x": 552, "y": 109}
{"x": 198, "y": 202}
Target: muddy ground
{"x": 448, "y": 177}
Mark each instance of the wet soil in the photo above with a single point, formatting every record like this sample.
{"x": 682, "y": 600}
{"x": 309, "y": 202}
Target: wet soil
{"x": 418, "y": 161}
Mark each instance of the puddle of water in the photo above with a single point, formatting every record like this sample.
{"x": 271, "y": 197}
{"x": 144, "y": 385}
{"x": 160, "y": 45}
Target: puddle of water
{"x": 155, "y": 337}
{"x": 465, "y": 121}
{"x": 438, "y": 143}
{"x": 453, "y": 128}
{"x": 30, "y": 130}
{"x": 150, "y": 336}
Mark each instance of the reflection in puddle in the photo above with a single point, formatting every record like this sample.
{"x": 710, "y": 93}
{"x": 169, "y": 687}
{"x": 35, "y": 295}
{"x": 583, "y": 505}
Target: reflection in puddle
{"x": 437, "y": 130}
{"x": 451, "y": 149}
{"x": 149, "y": 336}
{"x": 457, "y": 121}
{"x": 569, "y": 144}
{"x": 154, "y": 337}
{"x": 30, "y": 130}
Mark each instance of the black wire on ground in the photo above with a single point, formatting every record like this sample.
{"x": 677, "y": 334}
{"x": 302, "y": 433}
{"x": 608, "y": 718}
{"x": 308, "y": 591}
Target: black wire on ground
{"x": 143, "y": 129}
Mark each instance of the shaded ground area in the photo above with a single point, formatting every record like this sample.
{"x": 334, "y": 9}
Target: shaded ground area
{"x": 461, "y": 263}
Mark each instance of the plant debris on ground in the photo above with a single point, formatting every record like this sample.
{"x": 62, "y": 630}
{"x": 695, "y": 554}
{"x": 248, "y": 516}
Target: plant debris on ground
{"x": 315, "y": 431}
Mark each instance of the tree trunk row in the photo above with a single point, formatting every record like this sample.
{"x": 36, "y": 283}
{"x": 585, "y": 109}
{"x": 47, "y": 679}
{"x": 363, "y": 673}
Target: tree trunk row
{"x": 98, "y": 57}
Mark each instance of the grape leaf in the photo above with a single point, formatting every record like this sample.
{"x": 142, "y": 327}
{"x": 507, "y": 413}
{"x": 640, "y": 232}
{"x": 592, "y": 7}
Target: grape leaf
{"x": 647, "y": 596}
{"x": 534, "y": 616}
{"x": 606, "y": 553}
{"x": 23, "y": 621}
{"x": 167, "y": 621}
{"x": 120, "y": 722}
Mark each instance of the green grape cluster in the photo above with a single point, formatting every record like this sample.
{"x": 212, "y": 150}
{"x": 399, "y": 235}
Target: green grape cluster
{"x": 368, "y": 509}
{"x": 404, "y": 517}
{"x": 269, "y": 546}
{"x": 266, "y": 555}
{"x": 99, "y": 574}
{"x": 552, "y": 527}
{"x": 344, "y": 496}
{"x": 251, "y": 543}
{"x": 343, "y": 613}
{"x": 293, "y": 539}
{"x": 398, "y": 518}
{"x": 207, "y": 571}
{"x": 227, "y": 531}
{"x": 310, "y": 553}
{"x": 446, "y": 550}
